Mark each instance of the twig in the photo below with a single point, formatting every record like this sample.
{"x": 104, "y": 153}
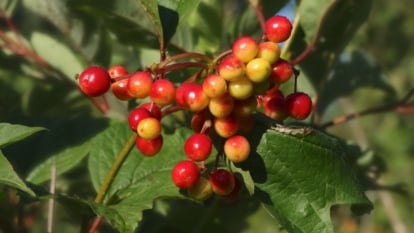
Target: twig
{"x": 257, "y": 6}
{"x": 51, "y": 204}
{"x": 403, "y": 103}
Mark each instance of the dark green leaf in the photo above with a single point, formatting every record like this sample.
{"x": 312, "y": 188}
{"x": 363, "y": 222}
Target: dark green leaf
{"x": 331, "y": 28}
{"x": 351, "y": 72}
{"x": 300, "y": 177}
{"x": 9, "y": 177}
{"x": 140, "y": 179}
{"x": 11, "y": 133}
{"x": 63, "y": 160}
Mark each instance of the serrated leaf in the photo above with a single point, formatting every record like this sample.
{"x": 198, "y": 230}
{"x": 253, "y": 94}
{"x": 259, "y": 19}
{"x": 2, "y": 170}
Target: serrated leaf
{"x": 140, "y": 179}
{"x": 9, "y": 177}
{"x": 56, "y": 54}
{"x": 11, "y": 133}
{"x": 63, "y": 160}
{"x": 302, "y": 177}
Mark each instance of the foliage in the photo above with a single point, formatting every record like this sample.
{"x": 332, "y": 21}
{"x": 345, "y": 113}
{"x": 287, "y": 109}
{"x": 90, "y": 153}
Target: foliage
{"x": 300, "y": 182}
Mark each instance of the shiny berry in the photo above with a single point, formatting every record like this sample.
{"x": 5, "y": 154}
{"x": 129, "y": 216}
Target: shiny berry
{"x": 198, "y": 147}
{"x": 278, "y": 28}
{"x": 237, "y": 148}
{"x": 139, "y": 84}
{"x": 185, "y": 174}
{"x": 298, "y": 105}
{"x": 245, "y": 48}
{"x": 222, "y": 182}
{"x": 94, "y": 81}
{"x": 136, "y": 115}
{"x": 117, "y": 71}
{"x": 149, "y": 147}
{"x": 149, "y": 128}
{"x": 162, "y": 92}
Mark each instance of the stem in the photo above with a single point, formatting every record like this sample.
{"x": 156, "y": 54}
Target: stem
{"x": 184, "y": 55}
{"x": 221, "y": 56}
{"x": 171, "y": 109}
{"x": 179, "y": 66}
{"x": 288, "y": 43}
{"x": 257, "y": 6}
{"x": 115, "y": 168}
{"x": 384, "y": 108}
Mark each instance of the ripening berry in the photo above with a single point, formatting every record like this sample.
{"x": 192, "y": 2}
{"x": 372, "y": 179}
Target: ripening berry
{"x": 245, "y": 48}
{"x": 231, "y": 68}
{"x": 221, "y": 106}
{"x": 282, "y": 70}
{"x": 226, "y": 126}
{"x": 237, "y": 148}
{"x": 269, "y": 51}
{"x": 120, "y": 90}
{"x": 117, "y": 71}
{"x": 149, "y": 147}
{"x": 149, "y": 128}
{"x": 162, "y": 92}
{"x": 222, "y": 182}
{"x": 201, "y": 190}
{"x": 241, "y": 89}
{"x": 136, "y": 115}
{"x": 139, "y": 84}
{"x": 214, "y": 85}
{"x": 258, "y": 70}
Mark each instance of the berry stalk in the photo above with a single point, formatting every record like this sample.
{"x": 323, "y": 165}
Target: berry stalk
{"x": 115, "y": 168}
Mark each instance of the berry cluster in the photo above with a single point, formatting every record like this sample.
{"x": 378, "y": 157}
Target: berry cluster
{"x": 238, "y": 83}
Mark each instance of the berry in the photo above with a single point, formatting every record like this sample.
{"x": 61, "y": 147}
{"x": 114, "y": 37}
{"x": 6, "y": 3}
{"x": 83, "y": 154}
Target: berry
{"x": 245, "y": 48}
{"x": 198, "y": 147}
{"x": 282, "y": 70}
{"x": 151, "y": 147}
{"x": 236, "y": 190}
{"x": 162, "y": 92}
{"x": 237, "y": 148}
{"x": 195, "y": 98}
{"x": 198, "y": 120}
{"x": 180, "y": 93}
{"x": 241, "y": 89}
{"x": 245, "y": 107}
{"x": 231, "y": 68}
{"x": 153, "y": 109}
{"x": 185, "y": 174}
{"x": 221, "y": 106}
{"x": 94, "y": 81}
{"x": 201, "y": 190}
{"x": 226, "y": 126}
{"x": 222, "y": 182}
{"x": 139, "y": 84}
{"x": 258, "y": 70}
{"x": 278, "y": 28}
{"x": 135, "y": 116}
{"x": 117, "y": 71}
{"x": 214, "y": 85}
{"x": 149, "y": 128}
{"x": 120, "y": 90}
{"x": 269, "y": 51}
{"x": 298, "y": 105}
{"x": 275, "y": 108}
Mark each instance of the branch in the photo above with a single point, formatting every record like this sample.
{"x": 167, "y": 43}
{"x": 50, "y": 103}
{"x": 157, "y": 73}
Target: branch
{"x": 398, "y": 105}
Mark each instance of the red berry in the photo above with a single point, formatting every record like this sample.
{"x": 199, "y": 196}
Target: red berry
{"x": 148, "y": 147}
{"x": 117, "y": 71}
{"x": 185, "y": 174}
{"x": 222, "y": 182}
{"x": 94, "y": 81}
{"x": 278, "y": 28}
{"x": 162, "y": 92}
{"x": 139, "y": 84}
{"x": 275, "y": 108}
{"x": 198, "y": 147}
{"x": 120, "y": 90}
{"x": 136, "y": 115}
{"x": 299, "y": 105}
{"x": 282, "y": 70}
{"x": 221, "y": 106}
{"x": 153, "y": 109}
{"x": 226, "y": 126}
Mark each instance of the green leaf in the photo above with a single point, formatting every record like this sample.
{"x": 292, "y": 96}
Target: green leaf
{"x": 11, "y": 133}
{"x": 57, "y": 54}
{"x": 63, "y": 160}
{"x": 331, "y": 27}
{"x": 166, "y": 15}
{"x": 299, "y": 178}
{"x": 140, "y": 179}
{"x": 354, "y": 70}
{"x": 9, "y": 177}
